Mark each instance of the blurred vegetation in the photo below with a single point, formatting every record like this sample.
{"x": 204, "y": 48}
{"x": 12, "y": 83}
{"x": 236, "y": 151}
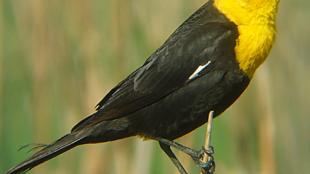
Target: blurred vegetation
{"x": 58, "y": 58}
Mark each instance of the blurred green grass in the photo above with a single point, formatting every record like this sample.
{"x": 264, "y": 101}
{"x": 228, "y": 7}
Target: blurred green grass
{"x": 58, "y": 58}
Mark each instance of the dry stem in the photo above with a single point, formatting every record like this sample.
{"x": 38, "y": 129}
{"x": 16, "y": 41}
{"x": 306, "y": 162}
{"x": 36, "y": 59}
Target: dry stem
{"x": 208, "y": 138}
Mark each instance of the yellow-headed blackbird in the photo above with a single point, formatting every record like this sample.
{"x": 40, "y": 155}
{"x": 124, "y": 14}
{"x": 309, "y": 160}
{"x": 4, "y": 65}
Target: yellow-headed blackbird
{"x": 204, "y": 65}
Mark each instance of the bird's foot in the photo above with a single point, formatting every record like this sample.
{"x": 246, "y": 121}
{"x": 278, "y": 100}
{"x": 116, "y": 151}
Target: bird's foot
{"x": 197, "y": 155}
{"x": 207, "y": 167}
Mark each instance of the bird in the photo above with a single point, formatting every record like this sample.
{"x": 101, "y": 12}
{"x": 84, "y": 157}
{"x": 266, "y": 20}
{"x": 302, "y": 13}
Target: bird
{"x": 203, "y": 66}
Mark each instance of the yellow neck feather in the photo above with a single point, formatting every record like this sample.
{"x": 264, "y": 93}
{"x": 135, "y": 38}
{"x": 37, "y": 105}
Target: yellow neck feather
{"x": 256, "y": 25}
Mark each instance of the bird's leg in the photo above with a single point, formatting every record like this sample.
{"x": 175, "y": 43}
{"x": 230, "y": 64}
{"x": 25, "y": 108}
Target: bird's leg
{"x": 195, "y": 155}
{"x": 173, "y": 158}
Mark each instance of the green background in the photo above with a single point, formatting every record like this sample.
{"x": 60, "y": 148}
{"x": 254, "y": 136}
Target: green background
{"x": 58, "y": 58}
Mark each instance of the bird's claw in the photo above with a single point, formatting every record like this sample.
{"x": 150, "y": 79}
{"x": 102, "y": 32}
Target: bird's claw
{"x": 209, "y": 166}
{"x": 204, "y": 151}
{"x": 199, "y": 154}
{"x": 209, "y": 151}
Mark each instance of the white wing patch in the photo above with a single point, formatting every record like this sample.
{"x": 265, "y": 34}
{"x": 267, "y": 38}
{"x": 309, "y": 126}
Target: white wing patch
{"x": 198, "y": 70}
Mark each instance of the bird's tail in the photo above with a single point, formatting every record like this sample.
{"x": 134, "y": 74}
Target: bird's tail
{"x": 60, "y": 146}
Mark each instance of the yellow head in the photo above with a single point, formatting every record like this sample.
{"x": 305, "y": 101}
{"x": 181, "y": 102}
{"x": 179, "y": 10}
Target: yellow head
{"x": 258, "y": 3}
{"x": 240, "y": 9}
{"x": 256, "y": 25}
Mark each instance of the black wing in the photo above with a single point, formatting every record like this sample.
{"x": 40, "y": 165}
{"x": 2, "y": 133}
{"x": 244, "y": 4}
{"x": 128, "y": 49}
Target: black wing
{"x": 196, "y": 43}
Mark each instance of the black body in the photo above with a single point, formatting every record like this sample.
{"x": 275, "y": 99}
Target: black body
{"x": 160, "y": 99}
